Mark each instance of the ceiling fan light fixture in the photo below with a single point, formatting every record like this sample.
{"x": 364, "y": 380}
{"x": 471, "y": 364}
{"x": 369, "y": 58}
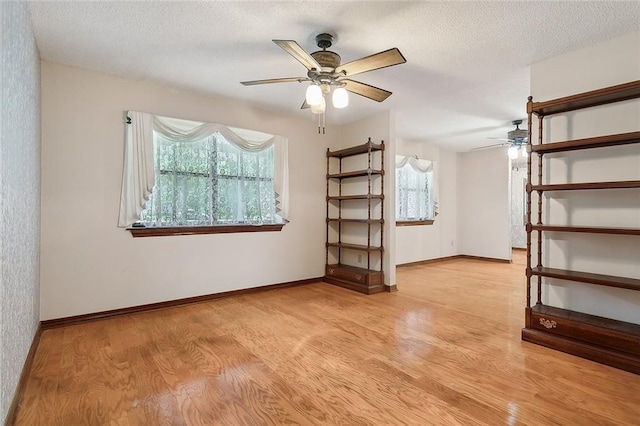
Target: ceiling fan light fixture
{"x": 525, "y": 154}
{"x": 340, "y": 97}
{"x": 314, "y": 95}
{"x": 319, "y": 109}
{"x": 512, "y": 152}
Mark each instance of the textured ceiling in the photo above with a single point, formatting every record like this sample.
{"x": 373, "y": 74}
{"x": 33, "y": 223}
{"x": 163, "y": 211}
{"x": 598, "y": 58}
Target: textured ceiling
{"x": 467, "y": 70}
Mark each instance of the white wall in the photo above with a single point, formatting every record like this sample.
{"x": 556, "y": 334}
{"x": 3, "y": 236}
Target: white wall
{"x": 613, "y": 62}
{"x": 484, "y": 223}
{"x": 416, "y": 243}
{"x": 90, "y": 265}
{"x": 19, "y": 194}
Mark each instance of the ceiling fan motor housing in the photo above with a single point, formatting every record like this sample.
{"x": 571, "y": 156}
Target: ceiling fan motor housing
{"x": 518, "y": 136}
{"x": 327, "y": 59}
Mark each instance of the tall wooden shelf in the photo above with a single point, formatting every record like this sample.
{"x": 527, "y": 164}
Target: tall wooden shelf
{"x": 363, "y": 277}
{"x": 604, "y": 340}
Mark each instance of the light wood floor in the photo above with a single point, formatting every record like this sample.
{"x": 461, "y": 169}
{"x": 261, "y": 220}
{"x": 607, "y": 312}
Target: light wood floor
{"x": 444, "y": 350}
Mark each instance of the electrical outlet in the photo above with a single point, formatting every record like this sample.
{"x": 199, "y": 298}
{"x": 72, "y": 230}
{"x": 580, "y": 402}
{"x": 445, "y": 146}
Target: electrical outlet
{"x": 359, "y": 258}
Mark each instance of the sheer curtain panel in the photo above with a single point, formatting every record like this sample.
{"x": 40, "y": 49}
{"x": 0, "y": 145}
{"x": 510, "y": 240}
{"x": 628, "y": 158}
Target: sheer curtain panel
{"x": 416, "y": 189}
{"x": 139, "y": 172}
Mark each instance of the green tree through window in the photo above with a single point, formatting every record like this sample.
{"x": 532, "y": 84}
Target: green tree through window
{"x": 210, "y": 182}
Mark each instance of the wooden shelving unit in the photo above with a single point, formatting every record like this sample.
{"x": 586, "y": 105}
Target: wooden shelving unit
{"x": 364, "y": 278}
{"x": 604, "y": 340}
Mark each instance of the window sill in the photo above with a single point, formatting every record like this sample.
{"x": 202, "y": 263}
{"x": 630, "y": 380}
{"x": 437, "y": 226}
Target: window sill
{"x": 165, "y": 231}
{"x": 414, "y": 222}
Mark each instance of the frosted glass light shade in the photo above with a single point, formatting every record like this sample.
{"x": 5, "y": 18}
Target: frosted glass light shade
{"x": 512, "y": 152}
{"x": 319, "y": 109}
{"x": 314, "y": 95}
{"x": 524, "y": 151}
{"x": 340, "y": 97}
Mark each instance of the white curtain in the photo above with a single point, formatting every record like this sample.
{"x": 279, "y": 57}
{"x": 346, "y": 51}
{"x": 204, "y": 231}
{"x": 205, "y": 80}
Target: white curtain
{"x": 422, "y": 166}
{"x": 138, "y": 174}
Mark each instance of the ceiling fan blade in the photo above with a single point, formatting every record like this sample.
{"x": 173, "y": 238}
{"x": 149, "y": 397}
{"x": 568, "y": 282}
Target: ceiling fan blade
{"x": 362, "y": 89}
{"x": 501, "y": 139}
{"x": 294, "y": 49}
{"x": 275, "y": 80}
{"x": 376, "y": 61}
{"x": 491, "y": 146}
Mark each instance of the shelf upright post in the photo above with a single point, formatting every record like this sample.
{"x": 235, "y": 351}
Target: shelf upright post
{"x": 369, "y": 203}
{"x": 327, "y": 215}
{"x": 340, "y": 213}
{"x": 382, "y": 204}
{"x": 540, "y": 121}
{"x": 528, "y": 224}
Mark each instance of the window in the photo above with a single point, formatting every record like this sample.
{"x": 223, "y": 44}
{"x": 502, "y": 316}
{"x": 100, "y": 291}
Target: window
{"x": 185, "y": 177}
{"x": 210, "y": 182}
{"x": 415, "y": 191}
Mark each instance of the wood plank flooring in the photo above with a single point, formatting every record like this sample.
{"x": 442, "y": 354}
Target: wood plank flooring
{"x": 444, "y": 350}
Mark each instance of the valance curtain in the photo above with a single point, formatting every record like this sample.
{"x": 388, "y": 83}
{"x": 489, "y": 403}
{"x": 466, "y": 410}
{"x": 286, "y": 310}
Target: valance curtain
{"x": 138, "y": 176}
{"x": 422, "y": 166}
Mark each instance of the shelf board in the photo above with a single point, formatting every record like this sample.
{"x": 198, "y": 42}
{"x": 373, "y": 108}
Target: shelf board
{"x": 587, "y": 229}
{"x": 587, "y": 277}
{"x": 623, "y": 184}
{"x": 359, "y": 247}
{"x": 355, "y": 173}
{"x": 620, "y": 92}
{"x": 355, "y": 150}
{"x": 356, "y": 197}
{"x": 595, "y": 142}
{"x": 342, "y": 220}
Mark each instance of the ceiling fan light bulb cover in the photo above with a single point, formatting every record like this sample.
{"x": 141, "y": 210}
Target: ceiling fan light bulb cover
{"x": 314, "y": 95}
{"x": 319, "y": 109}
{"x": 512, "y": 152}
{"x": 524, "y": 151}
{"x": 340, "y": 98}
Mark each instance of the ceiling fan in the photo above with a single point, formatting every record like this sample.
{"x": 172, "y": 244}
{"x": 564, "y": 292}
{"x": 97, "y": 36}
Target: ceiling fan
{"x": 326, "y": 74}
{"x": 516, "y": 141}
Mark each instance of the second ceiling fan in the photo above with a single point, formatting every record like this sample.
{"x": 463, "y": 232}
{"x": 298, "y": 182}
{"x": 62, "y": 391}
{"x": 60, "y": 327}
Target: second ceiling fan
{"x": 516, "y": 141}
{"x": 327, "y": 75}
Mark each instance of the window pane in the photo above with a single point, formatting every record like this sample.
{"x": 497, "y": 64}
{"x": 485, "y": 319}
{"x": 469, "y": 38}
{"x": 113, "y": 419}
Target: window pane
{"x": 227, "y": 201}
{"x": 210, "y": 181}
